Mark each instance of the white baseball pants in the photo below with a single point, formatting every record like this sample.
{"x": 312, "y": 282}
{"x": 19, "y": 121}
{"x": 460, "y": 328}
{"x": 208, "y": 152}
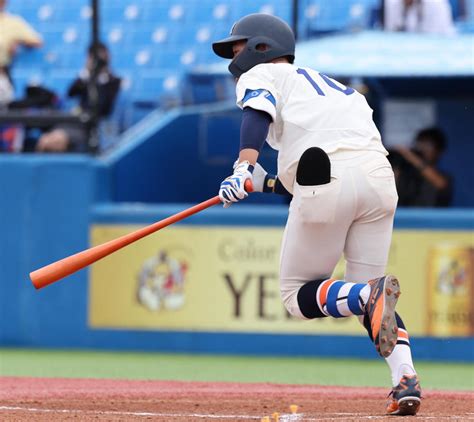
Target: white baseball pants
{"x": 351, "y": 215}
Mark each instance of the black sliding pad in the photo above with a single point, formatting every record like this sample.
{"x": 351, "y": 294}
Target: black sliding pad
{"x": 314, "y": 168}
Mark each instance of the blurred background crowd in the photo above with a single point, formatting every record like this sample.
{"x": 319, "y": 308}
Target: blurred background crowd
{"x": 62, "y": 92}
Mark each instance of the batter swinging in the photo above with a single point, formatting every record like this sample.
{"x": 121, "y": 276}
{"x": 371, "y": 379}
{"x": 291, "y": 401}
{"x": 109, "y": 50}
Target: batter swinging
{"x": 331, "y": 159}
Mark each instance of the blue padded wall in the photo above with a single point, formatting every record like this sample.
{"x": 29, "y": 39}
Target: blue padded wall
{"x": 182, "y": 160}
{"x": 44, "y": 216}
{"x": 47, "y": 205}
{"x": 455, "y": 117}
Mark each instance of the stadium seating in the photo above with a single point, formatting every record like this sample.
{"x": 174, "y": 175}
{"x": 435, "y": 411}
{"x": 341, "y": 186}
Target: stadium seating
{"x": 316, "y": 17}
{"x": 154, "y": 43}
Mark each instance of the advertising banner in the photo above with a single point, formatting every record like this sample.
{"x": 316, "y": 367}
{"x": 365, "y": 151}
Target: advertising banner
{"x": 225, "y": 279}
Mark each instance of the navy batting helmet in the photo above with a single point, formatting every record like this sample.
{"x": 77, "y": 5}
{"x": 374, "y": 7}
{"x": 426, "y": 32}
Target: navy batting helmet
{"x": 257, "y": 29}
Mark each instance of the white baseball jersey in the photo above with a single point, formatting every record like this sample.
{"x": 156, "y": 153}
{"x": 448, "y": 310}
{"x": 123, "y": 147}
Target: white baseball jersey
{"x": 308, "y": 109}
{"x": 352, "y": 215}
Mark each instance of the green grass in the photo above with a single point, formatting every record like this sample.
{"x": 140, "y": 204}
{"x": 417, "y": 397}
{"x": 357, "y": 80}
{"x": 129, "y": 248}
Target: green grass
{"x": 48, "y": 363}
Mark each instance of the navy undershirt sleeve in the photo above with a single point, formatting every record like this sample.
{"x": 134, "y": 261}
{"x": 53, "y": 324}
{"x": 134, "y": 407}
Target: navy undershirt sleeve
{"x": 254, "y": 128}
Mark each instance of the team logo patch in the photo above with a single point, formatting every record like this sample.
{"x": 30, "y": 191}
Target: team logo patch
{"x": 161, "y": 283}
{"x": 254, "y": 93}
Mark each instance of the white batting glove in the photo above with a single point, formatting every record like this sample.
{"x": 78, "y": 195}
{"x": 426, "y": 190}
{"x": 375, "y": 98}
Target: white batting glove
{"x": 233, "y": 187}
{"x": 259, "y": 175}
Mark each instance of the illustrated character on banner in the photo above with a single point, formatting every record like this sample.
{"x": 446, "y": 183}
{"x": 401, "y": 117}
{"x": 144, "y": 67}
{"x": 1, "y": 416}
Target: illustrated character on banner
{"x": 161, "y": 283}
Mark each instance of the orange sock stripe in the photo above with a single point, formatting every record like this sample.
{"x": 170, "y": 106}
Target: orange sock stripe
{"x": 323, "y": 291}
{"x": 402, "y": 334}
{"x": 376, "y": 320}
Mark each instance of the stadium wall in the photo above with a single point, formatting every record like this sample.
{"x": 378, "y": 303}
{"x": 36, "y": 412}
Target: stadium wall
{"x": 158, "y": 157}
{"x": 52, "y": 207}
{"x": 202, "y": 141}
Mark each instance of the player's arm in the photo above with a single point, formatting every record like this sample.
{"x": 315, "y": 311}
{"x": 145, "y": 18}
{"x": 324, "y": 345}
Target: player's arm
{"x": 430, "y": 173}
{"x": 253, "y": 133}
{"x": 257, "y": 97}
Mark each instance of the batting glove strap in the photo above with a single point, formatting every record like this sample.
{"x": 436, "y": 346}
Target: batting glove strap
{"x": 266, "y": 182}
{"x": 243, "y": 167}
{"x": 269, "y": 184}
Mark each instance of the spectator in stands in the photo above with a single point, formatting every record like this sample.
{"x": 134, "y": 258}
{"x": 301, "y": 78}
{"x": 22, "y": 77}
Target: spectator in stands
{"x": 74, "y": 138}
{"x": 420, "y": 182}
{"x": 6, "y": 89}
{"x": 426, "y": 16}
{"x": 14, "y": 32}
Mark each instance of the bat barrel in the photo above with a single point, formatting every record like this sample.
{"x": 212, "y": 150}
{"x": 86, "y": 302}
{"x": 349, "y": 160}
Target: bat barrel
{"x": 69, "y": 265}
{"x": 48, "y": 275}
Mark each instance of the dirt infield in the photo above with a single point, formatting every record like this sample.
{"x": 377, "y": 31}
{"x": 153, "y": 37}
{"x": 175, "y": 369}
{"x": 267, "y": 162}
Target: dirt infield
{"x": 53, "y": 399}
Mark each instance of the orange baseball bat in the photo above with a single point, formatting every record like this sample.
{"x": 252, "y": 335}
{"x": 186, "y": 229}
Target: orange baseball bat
{"x": 69, "y": 265}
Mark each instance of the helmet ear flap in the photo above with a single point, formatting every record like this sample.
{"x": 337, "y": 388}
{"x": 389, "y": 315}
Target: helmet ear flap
{"x": 254, "y": 44}
{"x": 260, "y": 56}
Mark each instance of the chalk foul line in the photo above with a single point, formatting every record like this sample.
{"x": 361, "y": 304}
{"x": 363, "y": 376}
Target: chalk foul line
{"x": 283, "y": 417}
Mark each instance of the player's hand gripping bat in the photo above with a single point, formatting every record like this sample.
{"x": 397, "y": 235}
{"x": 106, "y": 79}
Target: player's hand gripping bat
{"x": 69, "y": 265}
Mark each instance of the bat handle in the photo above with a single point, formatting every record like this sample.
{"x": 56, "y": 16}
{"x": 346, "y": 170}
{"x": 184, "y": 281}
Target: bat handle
{"x": 248, "y": 186}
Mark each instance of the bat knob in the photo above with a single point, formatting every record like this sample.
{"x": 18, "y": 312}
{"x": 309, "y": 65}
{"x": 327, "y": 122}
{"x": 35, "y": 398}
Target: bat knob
{"x": 248, "y": 186}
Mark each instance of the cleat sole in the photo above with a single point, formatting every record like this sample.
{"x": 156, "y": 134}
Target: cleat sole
{"x": 408, "y": 406}
{"x": 389, "y": 330}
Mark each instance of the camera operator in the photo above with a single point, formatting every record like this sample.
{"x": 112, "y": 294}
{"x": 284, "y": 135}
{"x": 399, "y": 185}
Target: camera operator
{"x": 72, "y": 137}
{"x": 420, "y": 183}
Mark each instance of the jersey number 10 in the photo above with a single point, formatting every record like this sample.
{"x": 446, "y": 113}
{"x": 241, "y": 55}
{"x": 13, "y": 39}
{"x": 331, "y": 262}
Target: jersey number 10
{"x": 329, "y": 81}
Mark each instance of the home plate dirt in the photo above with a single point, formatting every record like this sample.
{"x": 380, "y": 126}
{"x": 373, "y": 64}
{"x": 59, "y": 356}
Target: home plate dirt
{"x": 58, "y": 399}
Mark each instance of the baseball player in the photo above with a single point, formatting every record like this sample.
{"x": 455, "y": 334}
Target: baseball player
{"x": 332, "y": 161}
